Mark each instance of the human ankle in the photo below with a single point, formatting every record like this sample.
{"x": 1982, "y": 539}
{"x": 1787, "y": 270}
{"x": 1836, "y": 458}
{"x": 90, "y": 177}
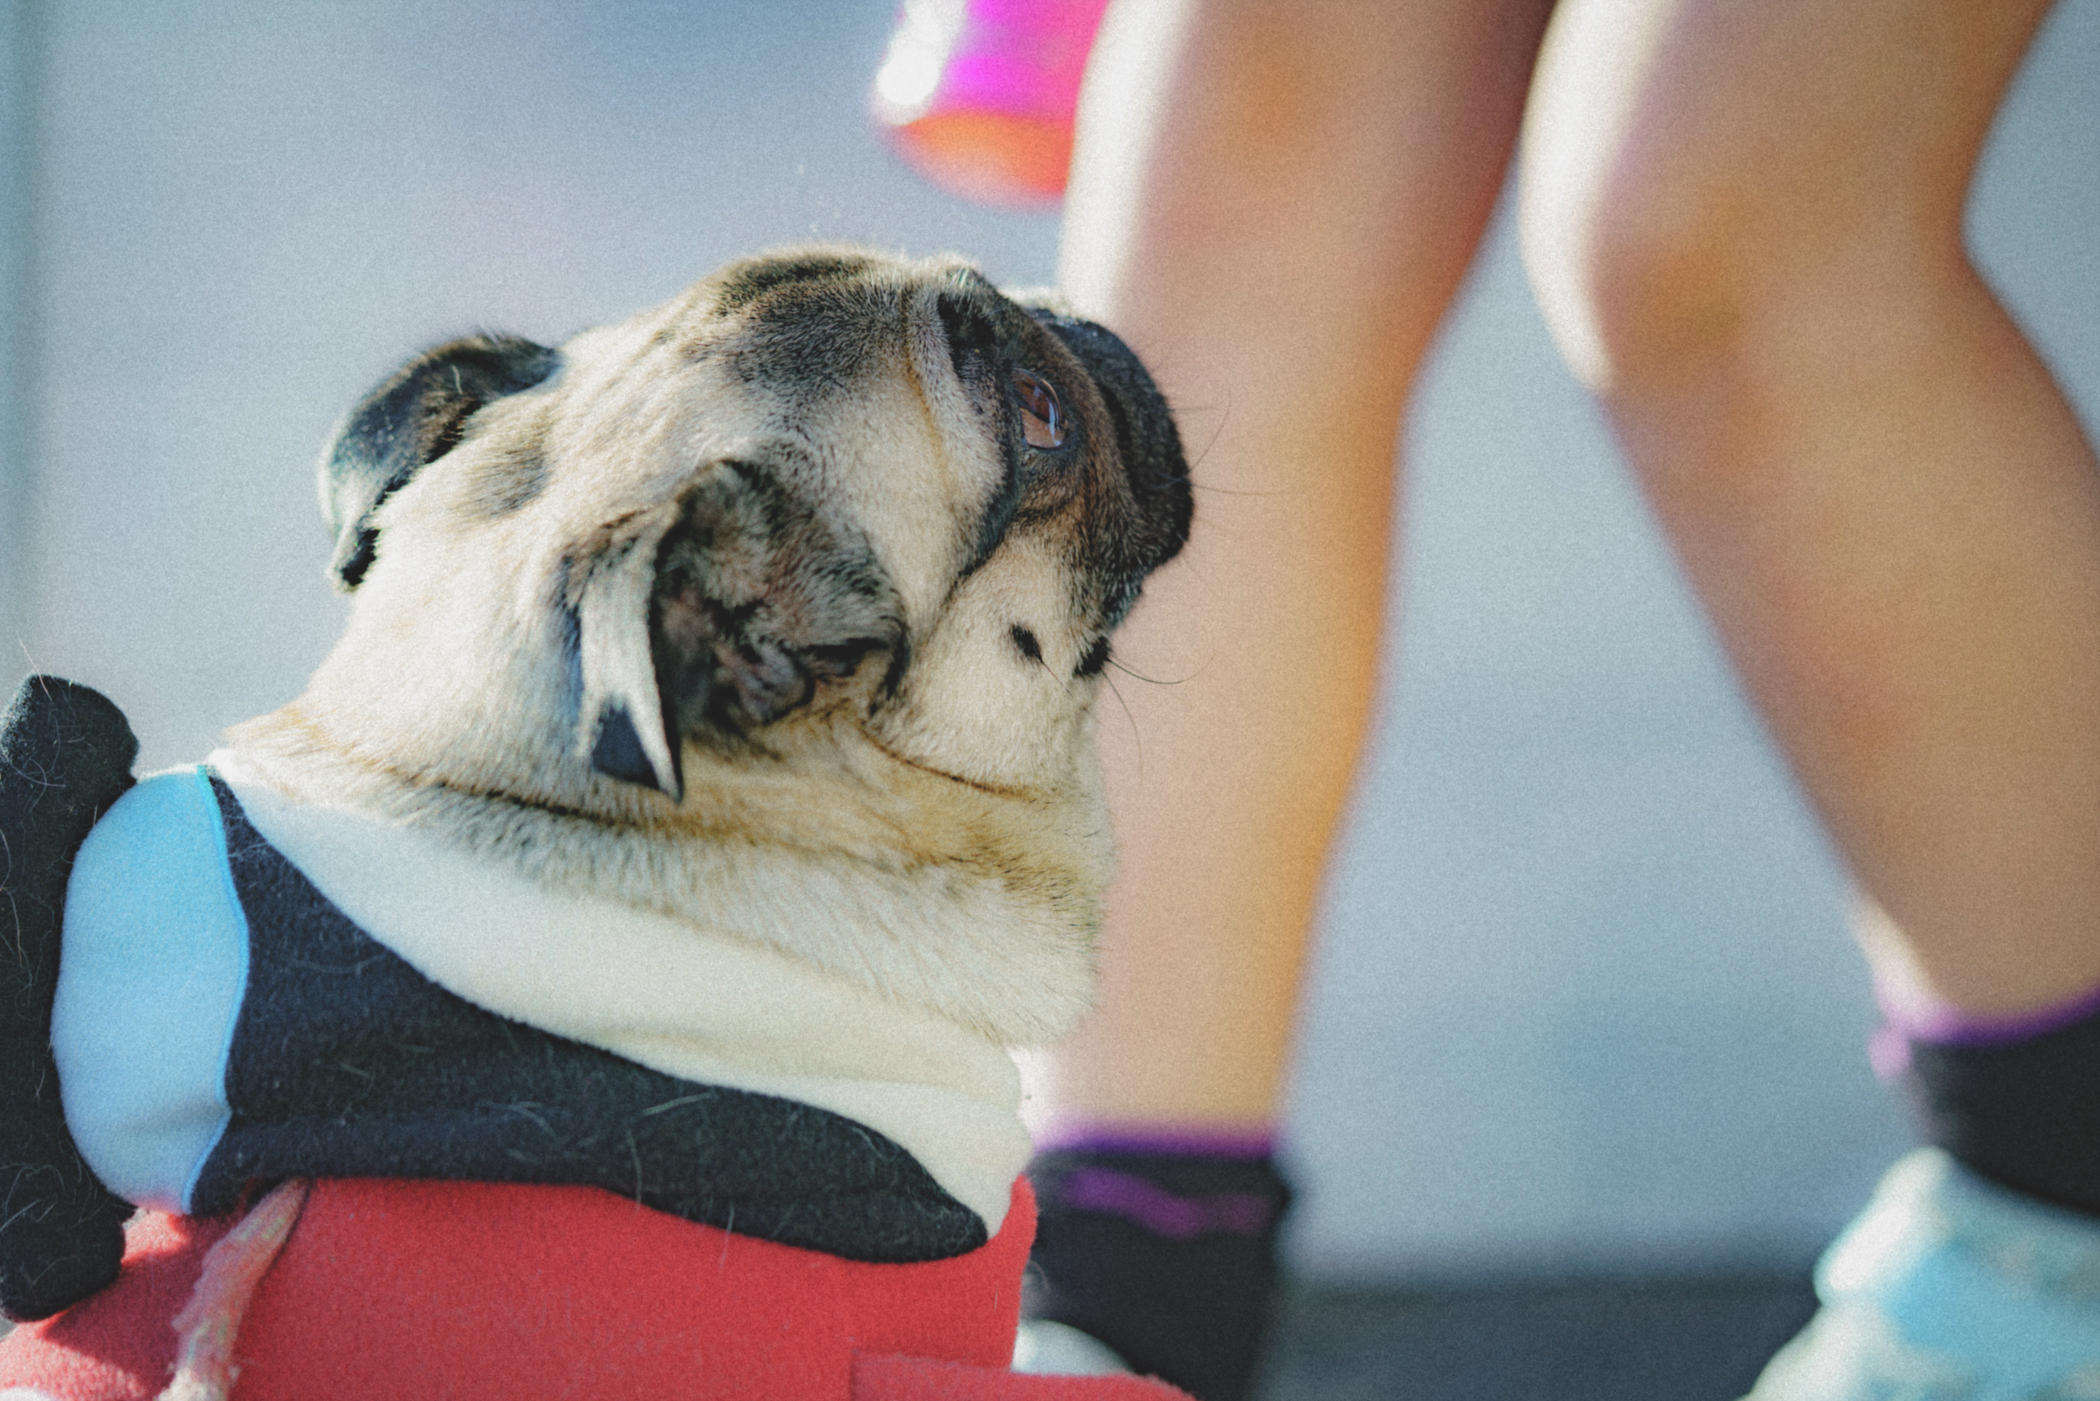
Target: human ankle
{"x": 1161, "y": 1242}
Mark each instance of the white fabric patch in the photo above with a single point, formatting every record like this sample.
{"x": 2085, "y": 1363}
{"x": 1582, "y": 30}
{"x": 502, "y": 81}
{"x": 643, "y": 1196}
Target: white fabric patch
{"x": 685, "y": 1000}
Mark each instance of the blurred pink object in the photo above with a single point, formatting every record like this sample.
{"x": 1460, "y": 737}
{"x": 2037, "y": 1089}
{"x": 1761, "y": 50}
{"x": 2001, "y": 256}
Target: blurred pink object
{"x": 979, "y": 94}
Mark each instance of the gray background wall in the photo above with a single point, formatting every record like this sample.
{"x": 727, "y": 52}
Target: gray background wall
{"x": 1584, "y": 995}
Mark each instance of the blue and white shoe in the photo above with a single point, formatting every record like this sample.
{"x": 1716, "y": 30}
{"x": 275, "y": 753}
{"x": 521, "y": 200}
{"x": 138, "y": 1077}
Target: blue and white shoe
{"x": 1046, "y": 1349}
{"x": 1950, "y": 1288}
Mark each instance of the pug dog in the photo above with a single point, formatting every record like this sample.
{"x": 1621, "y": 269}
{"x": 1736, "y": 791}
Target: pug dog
{"x": 698, "y": 806}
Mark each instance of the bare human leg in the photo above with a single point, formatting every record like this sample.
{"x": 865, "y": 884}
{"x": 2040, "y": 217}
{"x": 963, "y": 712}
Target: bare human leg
{"x": 1744, "y": 221}
{"x": 1274, "y": 205}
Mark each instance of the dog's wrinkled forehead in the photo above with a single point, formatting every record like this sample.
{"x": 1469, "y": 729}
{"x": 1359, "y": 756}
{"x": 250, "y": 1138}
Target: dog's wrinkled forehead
{"x": 808, "y": 321}
{"x": 1072, "y": 417}
{"x": 850, "y": 379}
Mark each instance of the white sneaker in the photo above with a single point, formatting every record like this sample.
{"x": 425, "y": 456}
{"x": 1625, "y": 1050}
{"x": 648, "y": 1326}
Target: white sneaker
{"x": 1047, "y": 1349}
{"x": 1950, "y": 1288}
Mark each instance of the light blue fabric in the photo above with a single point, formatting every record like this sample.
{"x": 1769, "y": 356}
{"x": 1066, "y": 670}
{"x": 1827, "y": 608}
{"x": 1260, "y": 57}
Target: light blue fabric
{"x": 152, "y": 970}
{"x": 1950, "y": 1288}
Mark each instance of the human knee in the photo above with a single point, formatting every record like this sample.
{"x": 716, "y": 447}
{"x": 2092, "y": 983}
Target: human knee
{"x": 1633, "y": 279}
{"x": 1660, "y": 256}
{"x": 1695, "y": 176}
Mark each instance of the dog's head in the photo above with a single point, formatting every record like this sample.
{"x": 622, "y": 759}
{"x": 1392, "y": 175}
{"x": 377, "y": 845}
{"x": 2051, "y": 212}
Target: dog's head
{"x": 829, "y": 525}
{"x": 817, "y": 480}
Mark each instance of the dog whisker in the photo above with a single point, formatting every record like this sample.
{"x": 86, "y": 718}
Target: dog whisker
{"x": 1140, "y": 676}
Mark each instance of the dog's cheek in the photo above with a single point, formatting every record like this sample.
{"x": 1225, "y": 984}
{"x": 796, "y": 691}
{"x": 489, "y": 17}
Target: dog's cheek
{"x": 973, "y": 704}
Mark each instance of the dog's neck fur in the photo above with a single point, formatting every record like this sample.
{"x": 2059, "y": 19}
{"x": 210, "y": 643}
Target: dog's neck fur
{"x": 978, "y": 904}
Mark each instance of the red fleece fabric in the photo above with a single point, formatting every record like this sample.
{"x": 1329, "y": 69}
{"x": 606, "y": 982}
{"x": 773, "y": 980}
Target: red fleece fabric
{"x": 461, "y": 1290}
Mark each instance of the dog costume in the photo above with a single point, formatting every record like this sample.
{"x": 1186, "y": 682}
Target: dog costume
{"x": 558, "y": 1148}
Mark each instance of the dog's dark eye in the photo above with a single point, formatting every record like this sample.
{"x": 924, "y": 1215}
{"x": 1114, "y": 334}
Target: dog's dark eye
{"x": 1042, "y": 417}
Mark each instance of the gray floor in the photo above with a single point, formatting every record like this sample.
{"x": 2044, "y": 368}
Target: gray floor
{"x": 1696, "y": 1339}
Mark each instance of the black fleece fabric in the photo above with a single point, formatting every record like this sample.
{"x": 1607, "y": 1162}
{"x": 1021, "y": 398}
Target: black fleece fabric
{"x": 65, "y": 757}
{"x": 347, "y": 1062}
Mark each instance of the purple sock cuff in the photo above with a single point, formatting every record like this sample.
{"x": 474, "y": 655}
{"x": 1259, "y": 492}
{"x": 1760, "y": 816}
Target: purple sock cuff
{"x": 1163, "y": 1142}
{"x": 1911, "y": 1016}
{"x": 1162, "y": 1212}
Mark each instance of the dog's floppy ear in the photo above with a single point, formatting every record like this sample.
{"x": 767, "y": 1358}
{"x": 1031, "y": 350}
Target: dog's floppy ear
{"x": 413, "y": 417}
{"x": 626, "y": 729}
{"x": 715, "y": 615}
{"x": 1146, "y": 438}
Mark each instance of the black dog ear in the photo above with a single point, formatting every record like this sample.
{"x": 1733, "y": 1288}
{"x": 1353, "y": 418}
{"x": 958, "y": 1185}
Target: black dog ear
{"x": 410, "y": 419}
{"x": 1146, "y": 438}
{"x": 715, "y": 616}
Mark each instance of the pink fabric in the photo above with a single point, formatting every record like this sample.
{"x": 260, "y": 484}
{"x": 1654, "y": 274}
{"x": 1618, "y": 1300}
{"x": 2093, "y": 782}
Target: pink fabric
{"x": 1020, "y": 57}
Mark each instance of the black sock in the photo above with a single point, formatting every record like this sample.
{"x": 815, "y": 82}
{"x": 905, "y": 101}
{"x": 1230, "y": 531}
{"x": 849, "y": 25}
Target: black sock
{"x": 1168, "y": 1257}
{"x": 2019, "y": 1104}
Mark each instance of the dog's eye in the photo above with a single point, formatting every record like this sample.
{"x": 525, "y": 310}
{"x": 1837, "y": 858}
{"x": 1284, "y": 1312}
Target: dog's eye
{"x": 1042, "y": 417}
